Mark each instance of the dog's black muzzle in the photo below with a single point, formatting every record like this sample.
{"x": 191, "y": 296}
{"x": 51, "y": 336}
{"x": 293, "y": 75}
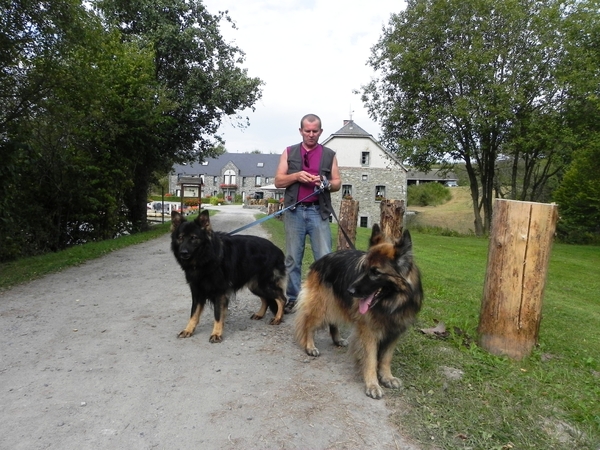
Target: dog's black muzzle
{"x": 184, "y": 254}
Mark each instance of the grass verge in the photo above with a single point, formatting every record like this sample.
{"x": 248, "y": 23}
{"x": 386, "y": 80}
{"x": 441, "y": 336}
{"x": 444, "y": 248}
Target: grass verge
{"x": 27, "y": 269}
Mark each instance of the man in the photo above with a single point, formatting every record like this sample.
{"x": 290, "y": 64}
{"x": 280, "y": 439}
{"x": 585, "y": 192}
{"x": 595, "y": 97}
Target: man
{"x": 302, "y": 168}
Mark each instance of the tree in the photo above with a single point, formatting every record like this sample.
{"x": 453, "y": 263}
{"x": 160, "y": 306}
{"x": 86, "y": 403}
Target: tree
{"x": 578, "y": 198}
{"x": 92, "y": 112}
{"x": 200, "y": 74}
{"x": 34, "y": 37}
{"x": 467, "y": 81}
{"x": 578, "y": 195}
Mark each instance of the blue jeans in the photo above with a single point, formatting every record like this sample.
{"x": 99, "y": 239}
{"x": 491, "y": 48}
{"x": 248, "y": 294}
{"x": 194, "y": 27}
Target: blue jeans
{"x": 300, "y": 222}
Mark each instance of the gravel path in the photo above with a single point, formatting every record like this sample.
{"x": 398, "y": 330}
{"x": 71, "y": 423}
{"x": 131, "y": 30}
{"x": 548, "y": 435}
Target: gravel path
{"x": 90, "y": 360}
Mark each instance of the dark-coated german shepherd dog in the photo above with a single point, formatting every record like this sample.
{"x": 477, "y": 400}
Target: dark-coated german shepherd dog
{"x": 378, "y": 292}
{"x": 217, "y": 265}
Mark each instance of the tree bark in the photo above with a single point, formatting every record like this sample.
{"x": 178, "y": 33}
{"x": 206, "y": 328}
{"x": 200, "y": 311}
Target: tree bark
{"x": 348, "y": 218}
{"x": 519, "y": 251}
{"x": 392, "y": 217}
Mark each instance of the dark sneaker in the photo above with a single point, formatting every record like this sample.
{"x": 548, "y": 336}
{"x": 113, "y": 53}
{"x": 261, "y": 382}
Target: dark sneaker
{"x": 289, "y": 308}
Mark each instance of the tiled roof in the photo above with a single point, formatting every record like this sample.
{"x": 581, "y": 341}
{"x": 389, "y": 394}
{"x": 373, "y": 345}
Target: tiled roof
{"x": 350, "y": 129}
{"x": 249, "y": 164}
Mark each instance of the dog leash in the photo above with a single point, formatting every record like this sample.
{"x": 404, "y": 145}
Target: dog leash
{"x": 324, "y": 185}
{"x": 275, "y": 214}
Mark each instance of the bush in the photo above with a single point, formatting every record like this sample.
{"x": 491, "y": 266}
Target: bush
{"x": 427, "y": 194}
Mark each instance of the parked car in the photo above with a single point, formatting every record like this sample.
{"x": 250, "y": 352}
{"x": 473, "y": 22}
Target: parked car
{"x": 451, "y": 184}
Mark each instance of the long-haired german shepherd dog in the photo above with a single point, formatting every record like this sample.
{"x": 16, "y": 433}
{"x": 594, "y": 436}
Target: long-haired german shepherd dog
{"x": 379, "y": 292}
{"x": 217, "y": 265}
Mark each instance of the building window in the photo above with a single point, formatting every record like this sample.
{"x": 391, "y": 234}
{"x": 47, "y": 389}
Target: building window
{"x": 379, "y": 193}
{"x": 266, "y": 180}
{"x": 347, "y": 191}
{"x": 364, "y": 221}
{"x": 243, "y": 181}
{"x": 215, "y": 180}
{"x": 229, "y": 177}
{"x": 364, "y": 158}
{"x": 258, "y": 181}
{"x": 365, "y": 177}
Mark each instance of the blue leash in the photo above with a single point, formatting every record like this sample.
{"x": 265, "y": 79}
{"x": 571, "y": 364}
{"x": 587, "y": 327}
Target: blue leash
{"x": 275, "y": 214}
{"x": 319, "y": 191}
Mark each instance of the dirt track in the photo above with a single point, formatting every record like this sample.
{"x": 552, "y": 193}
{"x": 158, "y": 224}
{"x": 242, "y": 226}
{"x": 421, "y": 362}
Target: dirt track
{"x": 90, "y": 360}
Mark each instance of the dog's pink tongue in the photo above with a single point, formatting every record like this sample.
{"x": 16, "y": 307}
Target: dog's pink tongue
{"x": 363, "y": 305}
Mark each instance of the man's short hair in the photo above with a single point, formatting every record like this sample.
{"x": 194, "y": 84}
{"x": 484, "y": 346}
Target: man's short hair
{"x": 310, "y": 118}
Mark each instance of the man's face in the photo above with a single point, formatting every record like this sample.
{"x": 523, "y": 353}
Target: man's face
{"x": 310, "y": 131}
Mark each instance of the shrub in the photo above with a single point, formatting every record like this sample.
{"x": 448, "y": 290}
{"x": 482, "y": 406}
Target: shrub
{"x": 427, "y": 194}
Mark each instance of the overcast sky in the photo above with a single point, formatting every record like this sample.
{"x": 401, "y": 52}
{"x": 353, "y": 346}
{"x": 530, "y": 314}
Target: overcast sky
{"x": 311, "y": 55}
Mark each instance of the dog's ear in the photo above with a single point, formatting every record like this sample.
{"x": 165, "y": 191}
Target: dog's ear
{"x": 176, "y": 220}
{"x": 403, "y": 251}
{"x": 203, "y": 221}
{"x": 376, "y": 236}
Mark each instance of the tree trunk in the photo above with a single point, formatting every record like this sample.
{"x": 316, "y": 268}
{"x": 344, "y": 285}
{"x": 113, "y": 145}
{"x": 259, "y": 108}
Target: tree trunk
{"x": 348, "y": 218}
{"x": 474, "y": 187}
{"x": 137, "y": 199}
{"x": 519, "y": 251}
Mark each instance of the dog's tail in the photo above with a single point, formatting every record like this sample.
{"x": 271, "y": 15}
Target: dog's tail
{"x": 311, "y": 311}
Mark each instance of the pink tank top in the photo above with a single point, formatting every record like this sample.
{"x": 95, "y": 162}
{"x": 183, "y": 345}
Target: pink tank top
{"x": 313, "y": 158}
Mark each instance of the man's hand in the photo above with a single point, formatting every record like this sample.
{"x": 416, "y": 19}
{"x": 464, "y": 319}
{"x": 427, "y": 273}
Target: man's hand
{"x": 307, "y": 178}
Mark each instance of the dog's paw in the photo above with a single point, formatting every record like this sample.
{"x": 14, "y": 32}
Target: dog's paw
{"x": 275, "y": 321}
{"x": 391, "y": 382}
{"x": 341, "y": 343}
{"x": 314, "y": 351}
{"x": 185, "y": 334}
{"x": 374, "y": 391}
{"x": 215, "y": 339}
{"x": 256, "y": 317}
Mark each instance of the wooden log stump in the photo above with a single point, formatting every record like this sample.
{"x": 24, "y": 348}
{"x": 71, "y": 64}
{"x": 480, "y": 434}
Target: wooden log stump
{"x": 392, "y": 217}
{"x": 348, "y": 218}
{"x": 518, "y": 255}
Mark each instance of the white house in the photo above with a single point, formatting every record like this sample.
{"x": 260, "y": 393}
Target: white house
{"x": 369, "y": 172}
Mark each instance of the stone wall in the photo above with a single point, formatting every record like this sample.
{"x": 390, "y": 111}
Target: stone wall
{"x": 363, "y": 181}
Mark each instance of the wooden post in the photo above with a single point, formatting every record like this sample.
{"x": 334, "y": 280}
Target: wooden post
{"x": 392, "y": 218}
{"x": 518, "y": 255}
{"x": 200, "y": 186}
{"x": 348, "y": 217}
{"x": 182, "y": 196}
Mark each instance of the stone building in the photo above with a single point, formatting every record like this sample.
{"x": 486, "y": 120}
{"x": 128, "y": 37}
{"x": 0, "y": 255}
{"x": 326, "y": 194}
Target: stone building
{"x": 369, "y": 172}
{"x": 230, "y": 174}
